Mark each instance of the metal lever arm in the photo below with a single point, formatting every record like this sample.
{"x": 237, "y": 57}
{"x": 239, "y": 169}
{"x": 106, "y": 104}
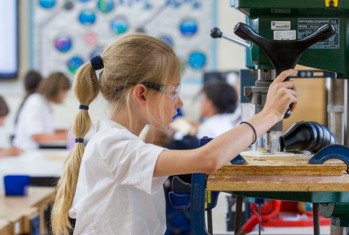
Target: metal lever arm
{"x": 284, "y": 54}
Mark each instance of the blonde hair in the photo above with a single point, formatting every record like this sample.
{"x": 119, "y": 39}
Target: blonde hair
{"x": 130, "y": 60}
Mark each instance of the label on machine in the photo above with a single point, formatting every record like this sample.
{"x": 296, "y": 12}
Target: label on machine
{"x": 307, "y": 26}
{"x": 280, "y": 25}
{"x": 285, "y": 35}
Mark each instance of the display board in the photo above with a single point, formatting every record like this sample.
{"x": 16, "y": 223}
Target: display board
{"x": 8, "y": 39}
{"x": 65, "y": 34}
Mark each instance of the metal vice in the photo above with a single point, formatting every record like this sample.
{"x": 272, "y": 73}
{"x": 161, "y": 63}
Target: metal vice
{"x": 338, "y": 211}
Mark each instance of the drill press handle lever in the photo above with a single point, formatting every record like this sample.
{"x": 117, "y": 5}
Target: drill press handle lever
{"x": 217, "y": 33}
{"x": 284, "y": 54}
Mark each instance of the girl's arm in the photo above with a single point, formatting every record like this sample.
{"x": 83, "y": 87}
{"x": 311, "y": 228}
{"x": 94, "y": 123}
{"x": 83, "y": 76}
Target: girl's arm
{"x": 47, "y": 138}
{"x": 11, "y": 151}
{"x": 225, "y": 147}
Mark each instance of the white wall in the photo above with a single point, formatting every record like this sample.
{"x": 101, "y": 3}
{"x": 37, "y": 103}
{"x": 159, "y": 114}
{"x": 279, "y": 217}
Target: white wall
{"x": 230, "y": 56}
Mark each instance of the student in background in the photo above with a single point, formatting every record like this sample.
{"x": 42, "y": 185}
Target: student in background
{"x": 35, "y": 125}
{"x": 218, "y": 109}
{"x": 4, "y": 111}
{"x": 31, "y": 81}
{"x": 114, "y": 185}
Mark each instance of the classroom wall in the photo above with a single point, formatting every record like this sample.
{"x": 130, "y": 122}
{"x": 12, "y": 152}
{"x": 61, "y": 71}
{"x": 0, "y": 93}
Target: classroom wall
{"x": 229, "y": 57}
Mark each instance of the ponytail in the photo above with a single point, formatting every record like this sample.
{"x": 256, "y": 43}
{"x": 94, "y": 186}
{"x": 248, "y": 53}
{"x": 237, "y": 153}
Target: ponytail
{"x": 86, "y": 89}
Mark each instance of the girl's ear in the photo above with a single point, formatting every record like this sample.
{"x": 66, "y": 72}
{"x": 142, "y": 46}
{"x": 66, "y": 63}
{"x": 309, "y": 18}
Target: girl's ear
{"x": 139, "y": 94}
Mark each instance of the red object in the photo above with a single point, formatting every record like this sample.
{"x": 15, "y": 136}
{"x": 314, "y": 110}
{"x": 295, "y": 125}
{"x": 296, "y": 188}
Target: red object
{"x": 269, "y": 210}
{"x": 271, "y": 216}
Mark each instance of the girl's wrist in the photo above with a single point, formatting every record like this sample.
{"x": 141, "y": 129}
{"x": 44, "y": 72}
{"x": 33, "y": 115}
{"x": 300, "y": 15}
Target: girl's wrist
{"x": 270, "y": 116}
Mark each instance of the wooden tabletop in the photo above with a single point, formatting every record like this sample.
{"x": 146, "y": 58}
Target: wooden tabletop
{"x": 4, "y": 226}
{"x": 280, "y": 173}
{"x": 13, "y": 208}
{"x": 279, "y": 183}
{"x": 33, "y": 163}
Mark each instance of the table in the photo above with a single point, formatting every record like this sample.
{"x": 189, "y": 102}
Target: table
{"x": 19, "y": 210}
{"x": 4, "y": 227}
{"x": 43, "y": 163}
{"x": 277, "y": 177}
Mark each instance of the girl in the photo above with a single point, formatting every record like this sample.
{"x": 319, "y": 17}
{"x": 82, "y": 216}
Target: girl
{"x": 35, "y": 124}
{"x": 115, "y": 185}
{"x": 4, "y": 111}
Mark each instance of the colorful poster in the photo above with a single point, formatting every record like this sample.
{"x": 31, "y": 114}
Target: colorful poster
{"x": 65, "y": 34}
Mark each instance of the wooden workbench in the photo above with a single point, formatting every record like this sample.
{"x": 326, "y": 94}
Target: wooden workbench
{"x": 4, "y": 227}
{"x": 18, "y": 210}
{"x": 280, "y": 173}
{"x": 40, "y": 163}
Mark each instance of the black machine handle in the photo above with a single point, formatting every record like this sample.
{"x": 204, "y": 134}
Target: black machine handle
{"x": 284, "y": 54}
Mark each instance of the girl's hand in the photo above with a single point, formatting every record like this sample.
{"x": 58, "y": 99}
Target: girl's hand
{"x": 281, "y": 95}
{"x": 12, "y": 151}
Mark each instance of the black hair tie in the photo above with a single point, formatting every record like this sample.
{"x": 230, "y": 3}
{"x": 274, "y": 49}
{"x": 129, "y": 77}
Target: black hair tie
{"x": 82, "y": 106}
{"x": 97, "y": 63}
{"x": 79, "y": 140}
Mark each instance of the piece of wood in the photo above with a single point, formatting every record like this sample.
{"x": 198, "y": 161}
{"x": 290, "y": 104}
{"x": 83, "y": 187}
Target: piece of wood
{"x": 250, "y": 183}
{"x": 25, "y": 221}
{"x": 282, "y": 164}
{"x": 280, "y": 172}
{"x": 4, "y": 227}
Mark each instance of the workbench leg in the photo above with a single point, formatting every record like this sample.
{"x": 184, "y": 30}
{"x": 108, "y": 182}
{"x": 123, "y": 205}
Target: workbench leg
{"x": 209, "y": 221}
{"x": 238, "y": 214}
{"x": 197, "y": 208}
{"x": 336, "y": 230}
{"x": 316, "y": 219}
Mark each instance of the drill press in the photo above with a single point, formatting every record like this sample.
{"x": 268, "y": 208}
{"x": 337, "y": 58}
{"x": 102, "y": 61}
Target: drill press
{"x": 294, "y": 20}
{"x": 279, "y": 20}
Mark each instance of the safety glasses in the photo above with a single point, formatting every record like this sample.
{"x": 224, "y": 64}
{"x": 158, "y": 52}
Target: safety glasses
{"x": 171, "y": 91}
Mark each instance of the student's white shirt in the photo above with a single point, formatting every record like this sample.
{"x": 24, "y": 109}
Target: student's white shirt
{"x": 36, "y": 117}
{"x": 218, "y": 124}
{"x": 116, "y": 191}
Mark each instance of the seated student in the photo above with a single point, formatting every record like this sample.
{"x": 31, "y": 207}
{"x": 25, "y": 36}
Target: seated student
{"x": 218, "y": 109}
{"x": 35, "y": 125}
{"x": 31, "y": 81}
{"x": 4, "y": 111}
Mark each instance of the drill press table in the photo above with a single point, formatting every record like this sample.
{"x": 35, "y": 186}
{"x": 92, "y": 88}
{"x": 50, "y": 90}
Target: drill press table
{"x": 281, "y": 172}
{"x": 283, "y": 177}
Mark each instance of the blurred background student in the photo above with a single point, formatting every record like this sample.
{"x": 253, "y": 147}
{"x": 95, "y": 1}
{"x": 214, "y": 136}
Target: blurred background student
{"x": 35, "y": 125}
{"x": 4, "y": 111}
{"x": 218, "y": 109}
{"x": 219, "y": 112}
{"x": 31, "y": 84}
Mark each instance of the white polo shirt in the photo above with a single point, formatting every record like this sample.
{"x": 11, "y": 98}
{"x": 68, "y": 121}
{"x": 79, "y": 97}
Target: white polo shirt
{"x": 36, "y": 117}
{"x": 218, "y": 124}
{"x": 116, "y": 191}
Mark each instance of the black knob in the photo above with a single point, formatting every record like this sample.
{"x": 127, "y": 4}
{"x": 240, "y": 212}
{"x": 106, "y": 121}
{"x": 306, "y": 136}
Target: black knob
{"x": 216, "y": 33}
{"x": 288, "y": 113}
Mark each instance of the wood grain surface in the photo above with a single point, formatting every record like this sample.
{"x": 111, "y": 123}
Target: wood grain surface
{"x": 281, "y": 172}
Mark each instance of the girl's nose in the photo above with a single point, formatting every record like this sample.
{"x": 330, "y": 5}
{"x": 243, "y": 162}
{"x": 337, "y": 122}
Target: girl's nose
{"x": 179, "y": 103}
